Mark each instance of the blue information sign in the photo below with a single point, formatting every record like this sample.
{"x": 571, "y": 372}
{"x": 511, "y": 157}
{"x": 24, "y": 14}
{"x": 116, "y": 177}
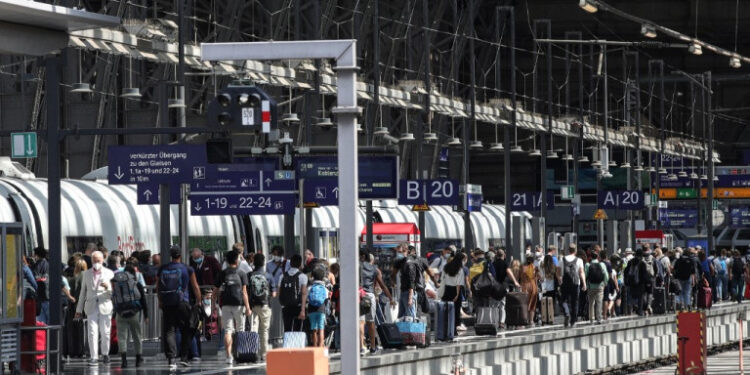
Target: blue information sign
{"x": 431, "y": 192}
{"x": 473, "y": 202}
{"x": 378, "y": 175}
{"x": 149, "y": 193}
{"x": 682, "y": 218}
{"x": 321, "y": 191}
{"x": 531, "y": 201}
{"x": 242, "y": 203}
{"x": 623, "y": 200}
{"x": 739, "y": 217}
{"x": 156, "y": 164}
{"x": 227, "y": 178}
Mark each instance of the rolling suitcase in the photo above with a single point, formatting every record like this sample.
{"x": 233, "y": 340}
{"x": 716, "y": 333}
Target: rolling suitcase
{"x": 548, "y": 310}
{"x": 445, "y": 323}
{"x": 705, "y": 296}
{"x": 659, "y": 305}
{"x": 516, "y": 309}
{"x": 413, "y": 331}
{"x": 35, "y": 341}
{"x": 76, "y": 339}
{"x": 488, "y": 320}
{"x": 390, "y": 337}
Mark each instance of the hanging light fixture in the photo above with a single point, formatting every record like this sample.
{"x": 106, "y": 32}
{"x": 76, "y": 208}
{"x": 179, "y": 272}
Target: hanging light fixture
{"x": 625, "y": 165}
{"x": 649, "y": 31}
{"x": 534, "y": 151}
{"x": 476, "y": 145}
{"x": 407, "y": 136}
{"x": 496, "y": 147}
{"x": 430, "y": 137}
{"x": 81, "y": 87}
{"x": 588, "y": 5}
{"x": 176, "y": 103}
{"x": 662, "y": 170}
{"x": 516, "y": 149}
{"x": 325, "y": 123}
{"x": 638, "y": 168}
{"x": 380, "y": 130}
{"x": 583, "y": 159}
{"x": 734, "y": 62}
{"x": 682, "y": 174}
{"x": 695, "y": 49}
{"x": 290, "y": 117}
{"x": 552, "y": 154}
{"x": 130, "y": 92}
{"x": 693, "y": 175}
{"x": 453, "y": 141}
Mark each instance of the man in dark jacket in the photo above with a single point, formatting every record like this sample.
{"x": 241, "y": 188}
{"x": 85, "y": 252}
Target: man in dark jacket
{"x": 636, "y": 279}
{"x": 206, "y": 267}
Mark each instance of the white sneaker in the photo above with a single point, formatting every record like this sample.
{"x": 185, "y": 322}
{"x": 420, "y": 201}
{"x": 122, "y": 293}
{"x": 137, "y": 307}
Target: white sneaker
{"x": 461, "y": 328}
{"x": 230, "y": 360}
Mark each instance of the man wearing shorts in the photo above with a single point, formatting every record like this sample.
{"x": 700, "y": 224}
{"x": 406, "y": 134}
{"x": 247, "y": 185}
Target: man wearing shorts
{"x": 370, "y": 275}
{"x": 231, "y": 285}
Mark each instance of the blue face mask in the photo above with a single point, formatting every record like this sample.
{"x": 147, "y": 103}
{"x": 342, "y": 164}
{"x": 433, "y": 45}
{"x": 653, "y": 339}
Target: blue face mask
{"x": 207, "y": 302}
{"x": 399, "y": 255}
{"x": 198, "y": 260}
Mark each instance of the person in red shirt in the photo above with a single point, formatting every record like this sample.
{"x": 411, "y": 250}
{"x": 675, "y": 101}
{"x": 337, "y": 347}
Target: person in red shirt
{"x": 206, "y": 267}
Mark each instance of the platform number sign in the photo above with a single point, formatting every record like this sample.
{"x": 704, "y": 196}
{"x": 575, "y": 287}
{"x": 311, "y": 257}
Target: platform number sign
{"x": 23, "y": 145}
{"x": 431, "y": 192}
{"x": 623, "y": 200}
{"x": 531, "y": 201}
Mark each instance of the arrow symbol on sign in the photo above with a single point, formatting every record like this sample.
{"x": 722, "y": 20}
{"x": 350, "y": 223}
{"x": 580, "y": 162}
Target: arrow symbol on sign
{"x": 147, "y": 194}
{"x": 29, "y": 147}
{"x": 197, "y": 207}
{"x": 268, "y": 182}
{"x": 119, "y": 175}
{"x": 335, "y": 192}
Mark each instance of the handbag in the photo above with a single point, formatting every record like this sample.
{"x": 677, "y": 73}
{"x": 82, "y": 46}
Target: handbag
{"x": 294, "y": 339}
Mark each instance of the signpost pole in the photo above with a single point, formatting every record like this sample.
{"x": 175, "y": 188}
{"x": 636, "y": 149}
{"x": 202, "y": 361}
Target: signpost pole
{"x": 710, "y": 193}
{"x": 165, "y": 234}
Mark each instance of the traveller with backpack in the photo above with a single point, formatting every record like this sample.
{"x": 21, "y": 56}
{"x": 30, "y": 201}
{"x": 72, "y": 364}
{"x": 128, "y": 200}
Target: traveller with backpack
{"x": 317, "y": 302}
{"x": 737, "y": 276}
{"x": 685, "y": 274}
{"x": 129, "y": 299}
{"x": 597, "y": 277}
{"x": 276, "y": 266}
{"x": 173, "y": 282}
{"x": 721, "y": 265}
{"x": 293, "y": 295}
{"x": 41, "y": 274}
{"x": 231, "y": 287}
{"x": 572, "y": 271}
{"x": 409, "y": 270}
{"x": 370, "y": 277}
{"x": 260, "y": 290}
{"x": 637, "y": 277}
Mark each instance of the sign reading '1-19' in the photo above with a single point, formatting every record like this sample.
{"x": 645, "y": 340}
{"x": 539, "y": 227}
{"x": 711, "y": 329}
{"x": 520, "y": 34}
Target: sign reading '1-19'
{"x": 623, "y": 200}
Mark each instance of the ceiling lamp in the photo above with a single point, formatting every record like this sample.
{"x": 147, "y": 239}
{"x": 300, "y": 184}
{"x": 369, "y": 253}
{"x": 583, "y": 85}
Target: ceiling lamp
{"x": 81, "y": 88}
{"x": 535, "y": 152}
{"x": 568, "y": 157}
{"x": 693, "y": 175}
{"x": 672, "y": 177}
{"x": 695, "y": 49}
{"x": 360, "y": 129}
{"x": 286, "y": 139}
{"x": 625, "y": 165}
{"x": 380, "y": 130}
{"x": 583, "y": 159}
{"x": 406, "y": 137}
{"x": 551, "y": 154}
{"x": 455, "y": 141}
{"x": 606, "y": 174}
{"x": 596, "y": 164}
{"x": 289, "y": 117}
{"x": 638, "y": 168}
{"x": 716, "y": 178}
{"x": 176, "y": 103}
{"x": 651, "y": 169}
{"x": 430, "y": 137}
{"x": 476, "y": 145}
{"x": 324, "y": 123}
{"x": 734, "y": 62}
{"x": 496, "y": 147}
{"x": 682, "y": 174}
{"x": 588, "y": 6}
{"x": 516, "y": 149}
{"x": 662, "y": 170}
{"x": 612, "y": 163}
{"x": 131, "y": 93}
{"x": 649, "y": 31}
{"x": 704, "y": 177}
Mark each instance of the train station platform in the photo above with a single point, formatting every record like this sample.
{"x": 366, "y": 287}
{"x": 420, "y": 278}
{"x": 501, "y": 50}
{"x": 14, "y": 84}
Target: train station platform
{"x": 541, "y": 350}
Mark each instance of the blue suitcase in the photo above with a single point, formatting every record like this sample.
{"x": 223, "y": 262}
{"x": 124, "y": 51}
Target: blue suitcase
{"x": 445, "y": 321}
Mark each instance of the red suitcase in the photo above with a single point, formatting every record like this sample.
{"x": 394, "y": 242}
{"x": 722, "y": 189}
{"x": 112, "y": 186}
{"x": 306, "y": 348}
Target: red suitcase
{"x": 705, "y": 296}
{"x": 34, "y": 341}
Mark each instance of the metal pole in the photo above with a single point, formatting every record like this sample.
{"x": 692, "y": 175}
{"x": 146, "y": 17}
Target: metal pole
{"x": 468, "y": 124}
{"x": 577, "y": 148}
{"x": 376, "y": 103}
{"x": 53, "y": 189}
{"x": 662, "y": 135}
{"x": 549, "y": 128}
{"x": 165, "y": 214}
{"x": 510, "y": 19}
{"x": 639, "y": 174}
{"x": 427, "y": 114}
{"x": 710, "y": 195}
{"x": 605, "y": 103}
{"x": 181, "y": 122}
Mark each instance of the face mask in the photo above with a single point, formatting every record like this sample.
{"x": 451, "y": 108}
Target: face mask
{"x": 276, "y": 258}
{"x": 97, "y": 266}
{"x": 198, "y": 260}
{"x": 399, "y": 255}
{"x": 446, "y": 256}
{"x": 207, "y": 302}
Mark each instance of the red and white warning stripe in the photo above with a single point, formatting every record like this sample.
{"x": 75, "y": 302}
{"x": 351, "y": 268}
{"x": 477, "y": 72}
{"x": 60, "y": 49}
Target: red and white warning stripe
{"x": 266, "y": 116}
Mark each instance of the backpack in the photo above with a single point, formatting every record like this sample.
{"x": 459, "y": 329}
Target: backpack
{"x": 570, "y": 273}
{"x": 650, "y": 268}
{"x": 170, "y": 286}
{"x": 683, "y": 268}
{"x": 410, "y": 271}
{"x": 231, "y": 293}
{"x": 476, "y": 270}
{"x": 125, "y": 294}
{"x": 632, "y": 274}
{"x": 42, "y": 284}
{"x": 289, "y": 291}
{"x": 738, "y": 267}
{"x": 258, "y": 293}
{"x": 318, "y": 295}
{"x": 596, "y": 275}
{"x": 722, "y": 269}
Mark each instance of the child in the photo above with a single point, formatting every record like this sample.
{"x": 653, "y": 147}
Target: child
{"x": 318, "y": 296}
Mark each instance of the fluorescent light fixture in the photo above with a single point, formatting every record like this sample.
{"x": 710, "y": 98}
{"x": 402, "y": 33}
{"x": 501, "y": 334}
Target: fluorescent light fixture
{"x": 625, "y": 165}
{"x": 551, "y": 154}
{"x": 588, "y": 6}
{"x": 583, "y": 159}
{"x": 516, "y": 149}
{"x": 406, "y": 137}
{"x": 454, "y": 141}
{"x": 496, "y": 147}
{"x": 380, "y": 130}
{"x": 649, "y": 31}
{"x": 535, "y": 152}
{"x": 476, "y": 145}
{"x": 430, "y": 137}
{"x": 734, "y": 62}
{"x": 695, "y": 49}
{"x": 638, "y": 168}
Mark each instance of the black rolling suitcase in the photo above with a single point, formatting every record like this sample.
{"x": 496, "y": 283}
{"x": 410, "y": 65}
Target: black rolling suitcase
{"x": 659, "y": 305}
{"x": 488, "y": 320}
{"x": 517, "y": 309}
{"x": 389, "y": 335}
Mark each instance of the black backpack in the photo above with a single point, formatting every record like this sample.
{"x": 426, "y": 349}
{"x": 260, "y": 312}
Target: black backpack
{"x": 570, "y": 273}
{"x": 289, "y": 292}
{"x": 258, "y": 289}
{"x": 738, "y": 267}
{"x": 410, "y": 271}
{"x": 596, "y": 275}
{"x": 632, "y": 273}
{"x": 232, "y": 289}
{"x": 683, "y": 268}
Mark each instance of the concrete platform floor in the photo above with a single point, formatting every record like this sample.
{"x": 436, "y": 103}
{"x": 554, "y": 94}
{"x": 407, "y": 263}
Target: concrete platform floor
{"x": 727, "y": 363}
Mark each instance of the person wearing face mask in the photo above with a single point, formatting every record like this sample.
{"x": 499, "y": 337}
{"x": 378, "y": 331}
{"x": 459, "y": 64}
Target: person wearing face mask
{"x": 41, "y": 274}
{"x": 206, "y": 267}
{"x": 129, "y": 311}
{"x": 95, "y": 299}
{"x": 438, "y": 264}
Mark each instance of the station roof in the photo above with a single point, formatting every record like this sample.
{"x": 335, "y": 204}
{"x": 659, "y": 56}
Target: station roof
{"x": 53, "y": 17}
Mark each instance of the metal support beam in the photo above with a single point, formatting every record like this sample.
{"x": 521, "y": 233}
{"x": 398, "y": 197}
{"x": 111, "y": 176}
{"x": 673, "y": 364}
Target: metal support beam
{"x": 53, "y": 188}
{"x": 344, "y": 52}
{"x": 510, "y": 20}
